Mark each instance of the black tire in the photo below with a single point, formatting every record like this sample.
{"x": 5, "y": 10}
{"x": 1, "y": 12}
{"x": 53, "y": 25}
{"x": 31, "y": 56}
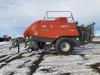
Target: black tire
{"x": 41, "y": 44}
{"x": 61, "y": 45}
{"x": 7, "y": 40}
{"x": 1, "y": 39}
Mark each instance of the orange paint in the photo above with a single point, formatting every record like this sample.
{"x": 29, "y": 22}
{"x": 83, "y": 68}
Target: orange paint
{"x": 52, "y": 28}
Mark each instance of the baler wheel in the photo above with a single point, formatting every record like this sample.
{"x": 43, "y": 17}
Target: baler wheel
{"x": 64, "y": 46}
{"x": 30, "y": 50}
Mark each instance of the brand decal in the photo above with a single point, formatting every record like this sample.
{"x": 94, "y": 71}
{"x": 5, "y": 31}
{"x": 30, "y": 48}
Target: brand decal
{"x": 65, "y": 26}
{"x": 43, "y": 26}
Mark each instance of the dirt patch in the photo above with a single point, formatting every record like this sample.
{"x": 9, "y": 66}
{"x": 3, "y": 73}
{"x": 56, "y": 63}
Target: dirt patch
{"x": 12, "y": 73}
{"x": 3, "y": 56}
{"x": 95, "y": 42}
{"x": 14, "y": 58}
{"x": 96, "y": 67}
{"x": 3, "y": 60}
{"x": 3, "y": 65}
{"x": 31, "y": 55}
{"x": 49, "y": 70}
{"x": 46, "y": 70}
{"x": 65, "y": 74}
{"x": 83, "y": 55}
{"x": 50, "y": 52}
{"x": 24, "y": 64}
{"x": 36, "y": 64}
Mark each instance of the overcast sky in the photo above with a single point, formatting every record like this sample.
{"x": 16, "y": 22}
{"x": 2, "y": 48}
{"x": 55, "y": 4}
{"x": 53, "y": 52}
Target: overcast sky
{"x": 17, "y": 15}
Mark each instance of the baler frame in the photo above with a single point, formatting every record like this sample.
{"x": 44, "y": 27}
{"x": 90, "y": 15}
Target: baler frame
{"x": 46, "y": 16}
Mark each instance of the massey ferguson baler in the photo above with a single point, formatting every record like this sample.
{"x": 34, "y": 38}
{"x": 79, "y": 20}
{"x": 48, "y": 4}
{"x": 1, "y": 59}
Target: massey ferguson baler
{"x": 62, "y": 33}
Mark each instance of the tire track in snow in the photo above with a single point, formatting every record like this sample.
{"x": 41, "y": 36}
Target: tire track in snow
{"x": 4, "y": 59}
{"x": 96, "y": 67}
{"x": 11, "y": 58}
{"x": 2, "y": 56}
{"x": 36, "y": 63}
{"x": 24, "y": 64}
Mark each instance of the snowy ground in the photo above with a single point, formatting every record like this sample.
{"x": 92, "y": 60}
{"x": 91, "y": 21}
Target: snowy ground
{"x": 83, "y": 61}
{"x": 96, "y": 39}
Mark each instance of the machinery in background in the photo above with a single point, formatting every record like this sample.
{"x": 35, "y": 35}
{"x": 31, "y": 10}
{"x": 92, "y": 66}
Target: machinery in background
{"x": 6, "y": 37}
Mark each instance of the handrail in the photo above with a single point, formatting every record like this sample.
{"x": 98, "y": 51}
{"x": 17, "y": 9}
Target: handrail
{"x": 46, "y": 17}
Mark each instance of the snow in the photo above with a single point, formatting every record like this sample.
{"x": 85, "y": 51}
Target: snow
{"x": 23, "y": 71}
{"x": 16, "y": 65}
{"x": 19, "y": 66}
{"x": 6, "y": 57}
{"x": 96, "y": 39}
{"x": 4, "y": 43}
{"x": 42, "y": 73}
{"x": 74, "y": 64}
{"x": 77, "y": 63}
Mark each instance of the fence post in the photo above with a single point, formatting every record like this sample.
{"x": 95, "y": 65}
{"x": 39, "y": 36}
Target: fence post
{"x": 18, "y": 47}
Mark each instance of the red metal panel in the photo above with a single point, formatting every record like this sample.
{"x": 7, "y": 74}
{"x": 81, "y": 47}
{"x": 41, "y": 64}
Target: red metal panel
{"x": 52, "y": 28}
{"x": 26, "y": 33}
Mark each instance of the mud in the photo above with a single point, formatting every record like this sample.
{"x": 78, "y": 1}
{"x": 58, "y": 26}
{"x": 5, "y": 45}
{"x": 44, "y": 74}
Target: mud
{"x": 31, "y": 55}
{"x": 66, "y": 74}
{"x": 83, "y": 55}
{"x": 3, "y": 60}
{"x": 14, "y": 58}
{"x": 46, "y": 70}
{"x": 3, "y": 65}
{"x": 3, "y": 56}
{"x": 7, "y": 61}
{"x": 12, "y": 73}
{"x": 95, "y": 42}
{"x": 51, "y": 52}
{"x": 96, "y": 67}
{"x": 36, "y": 64}
{"x": 24, "y": 64}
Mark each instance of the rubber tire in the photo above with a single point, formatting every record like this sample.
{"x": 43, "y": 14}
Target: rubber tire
{"x": 41, "y": 44}
{"x": 60, "y": 41}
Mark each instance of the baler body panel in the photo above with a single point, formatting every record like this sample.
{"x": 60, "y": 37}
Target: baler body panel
{"x": 52, "y": 28}
{"x": 29, "y": 30}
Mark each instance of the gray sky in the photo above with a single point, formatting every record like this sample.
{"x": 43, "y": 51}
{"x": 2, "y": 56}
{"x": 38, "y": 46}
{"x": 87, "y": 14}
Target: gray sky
{"x": 17, "y": 15}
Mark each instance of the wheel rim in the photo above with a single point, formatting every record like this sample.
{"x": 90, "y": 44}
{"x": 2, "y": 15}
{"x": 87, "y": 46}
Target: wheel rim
{"x": 65, "y": 46}
{"x": 29, "y": 50}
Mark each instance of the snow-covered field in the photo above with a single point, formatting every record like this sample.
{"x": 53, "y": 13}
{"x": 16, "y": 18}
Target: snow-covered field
{"x": 96, "y": 39}
{"x": 83, "y": 61}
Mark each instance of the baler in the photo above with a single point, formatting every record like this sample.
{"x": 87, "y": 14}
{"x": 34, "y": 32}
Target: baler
{"x": 62, "y": 33}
